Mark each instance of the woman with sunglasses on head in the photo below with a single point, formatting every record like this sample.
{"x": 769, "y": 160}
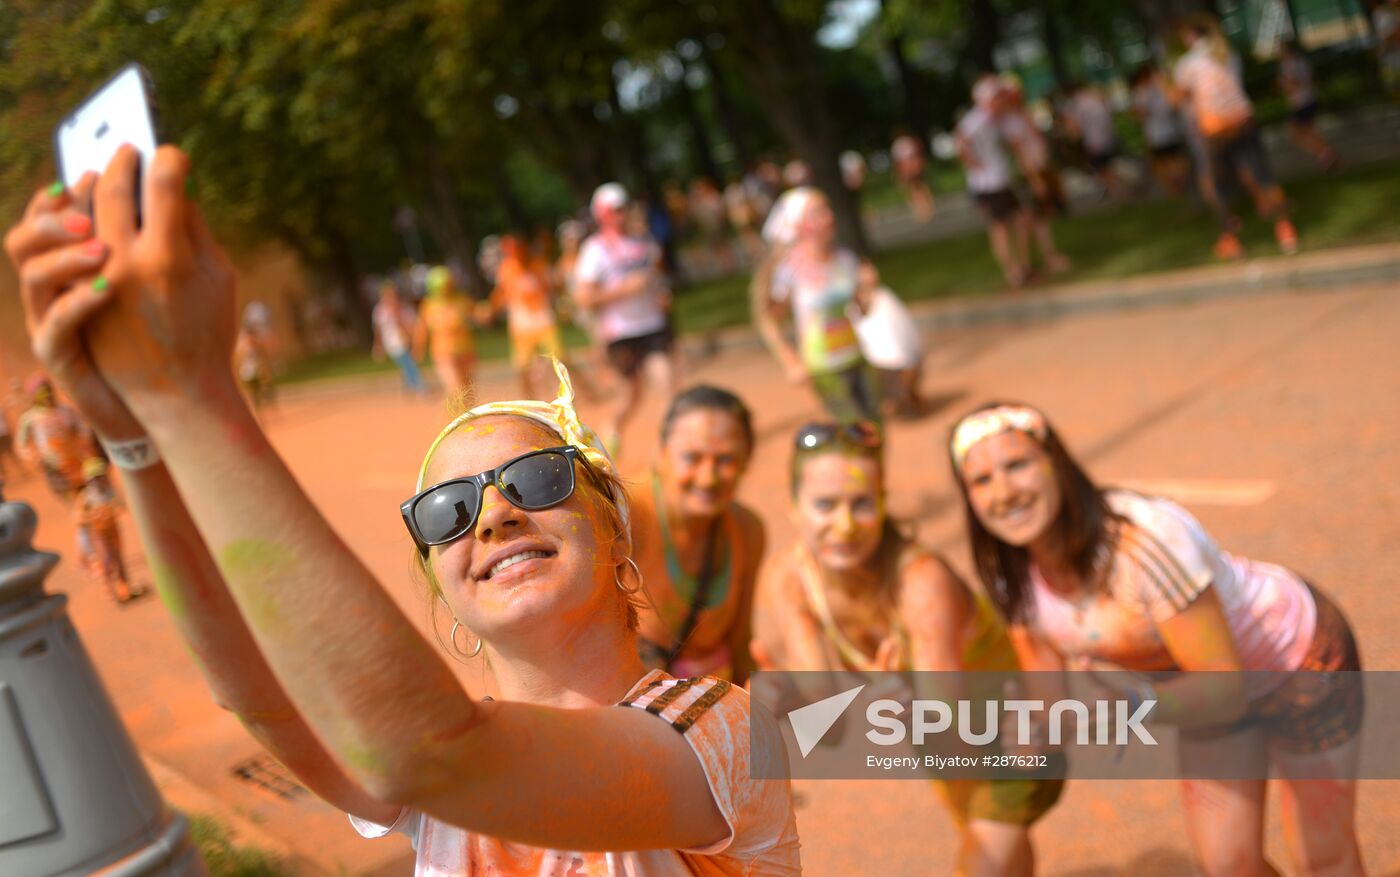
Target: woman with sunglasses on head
{"x": 521, "y": 531}
{"x": 854, "y": 593}
{"x": 1104, "y": 579}
{"x": 699, "y": 550}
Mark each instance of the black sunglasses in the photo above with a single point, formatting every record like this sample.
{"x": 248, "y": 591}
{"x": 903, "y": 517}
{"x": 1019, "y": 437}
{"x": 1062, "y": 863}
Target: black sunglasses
{"x": 858, "y": 434}
{"x": 447, "y": 511}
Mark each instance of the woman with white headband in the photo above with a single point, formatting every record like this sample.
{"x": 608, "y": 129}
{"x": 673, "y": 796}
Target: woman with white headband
{"x": 1107, "y": 579}
{"x": 520, "y": 525}
{"x": 817, "y": 282}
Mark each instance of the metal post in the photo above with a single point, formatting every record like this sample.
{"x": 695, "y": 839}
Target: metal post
{"x": 75, "y": 798}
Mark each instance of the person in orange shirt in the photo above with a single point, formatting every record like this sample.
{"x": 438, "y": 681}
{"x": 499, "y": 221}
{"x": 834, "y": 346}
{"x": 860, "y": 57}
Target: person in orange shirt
{"x": 444, "y": 331}
{"x": 522, "y": 291}
{"x": 97, "y": 509}
{"x": 585, "y": 763}
{"x": 55, "y": 437}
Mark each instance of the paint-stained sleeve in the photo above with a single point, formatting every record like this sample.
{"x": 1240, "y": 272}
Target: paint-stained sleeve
{"x": 715, "y": 718}
{"x": 1165, "y": 558}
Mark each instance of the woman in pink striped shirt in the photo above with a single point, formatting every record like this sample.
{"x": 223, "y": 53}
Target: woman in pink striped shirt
{"x": 1094, "y": 578}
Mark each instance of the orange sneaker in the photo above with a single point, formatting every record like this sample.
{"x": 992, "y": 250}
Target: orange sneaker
{"x": 1228, "y": 247}
{"x": 1287, "y": 236}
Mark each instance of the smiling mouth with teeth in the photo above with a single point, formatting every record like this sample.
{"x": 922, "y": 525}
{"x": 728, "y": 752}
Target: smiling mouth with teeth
{"x": 513, "y": 560}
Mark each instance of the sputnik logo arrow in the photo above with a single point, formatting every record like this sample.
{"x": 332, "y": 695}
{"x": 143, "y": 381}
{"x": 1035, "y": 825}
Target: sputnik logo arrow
{"x": 811, "y": 722}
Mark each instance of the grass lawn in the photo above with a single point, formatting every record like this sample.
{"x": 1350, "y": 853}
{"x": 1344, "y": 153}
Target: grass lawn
{"x": 1352, "y": 207}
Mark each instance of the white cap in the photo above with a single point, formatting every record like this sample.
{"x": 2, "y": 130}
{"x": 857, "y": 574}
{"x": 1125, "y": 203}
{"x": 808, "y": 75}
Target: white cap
{"x": 986, "y": 90}
{"x": 611, "y": 196}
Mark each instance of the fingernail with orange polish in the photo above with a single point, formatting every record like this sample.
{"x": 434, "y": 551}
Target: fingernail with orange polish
{"x": 77, "y": 223}
{"x": 94, "y": 247}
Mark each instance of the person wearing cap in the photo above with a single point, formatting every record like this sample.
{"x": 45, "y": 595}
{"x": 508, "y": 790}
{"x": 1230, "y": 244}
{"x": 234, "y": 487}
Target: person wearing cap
{"x": 618, "y": 279}
{"x": 816, "y": 282}
{"x": 96, "y": 510}
{"x": 584, "y": 762}
{"x": 54, "y": 436}
{"x": 444, "y": 332}
{"x": 980, "y": 145}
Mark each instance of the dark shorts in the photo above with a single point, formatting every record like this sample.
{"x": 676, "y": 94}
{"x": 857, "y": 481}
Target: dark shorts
{"x": 1304, "y": 115}
{"x": 1098, "y": 161}
{"x": 1235, "y": 151}
{"x": 1169, "y": 150}
{"x": 626, "y": 355}
{"x": 851, "y": 394}
{"x": 997, "y": 206}
{"x": 1321, "y": 706}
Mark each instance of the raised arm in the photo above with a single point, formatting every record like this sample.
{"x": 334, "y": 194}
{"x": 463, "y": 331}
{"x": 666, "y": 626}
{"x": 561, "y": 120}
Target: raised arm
{"x": 377, "y": 694}
{"x": 58, "y": 297}
{"x": 768, "y": 314}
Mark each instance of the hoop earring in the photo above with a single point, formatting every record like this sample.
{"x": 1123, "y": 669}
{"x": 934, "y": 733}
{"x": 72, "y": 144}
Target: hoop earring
{"x": 474, "y": 652}
{"x": 617, "y": 576}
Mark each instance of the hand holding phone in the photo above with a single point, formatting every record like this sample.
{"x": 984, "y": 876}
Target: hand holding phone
{"x": 121, "y": 111}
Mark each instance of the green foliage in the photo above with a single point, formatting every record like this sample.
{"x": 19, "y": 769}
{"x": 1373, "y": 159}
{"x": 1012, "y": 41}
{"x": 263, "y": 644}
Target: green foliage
{"x": 224, "y": 858}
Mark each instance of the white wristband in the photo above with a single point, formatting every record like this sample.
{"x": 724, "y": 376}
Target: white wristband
{"x": 133, "y": 455}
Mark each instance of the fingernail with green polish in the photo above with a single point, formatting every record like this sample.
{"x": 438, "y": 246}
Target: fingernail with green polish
{"x": 56, "y": 188}
{"x": 100, "y": 285}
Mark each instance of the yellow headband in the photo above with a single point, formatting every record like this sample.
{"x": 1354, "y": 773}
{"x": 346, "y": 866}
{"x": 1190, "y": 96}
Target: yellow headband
{"x": 561, "y": 418}
{"x": 994, "y": 421}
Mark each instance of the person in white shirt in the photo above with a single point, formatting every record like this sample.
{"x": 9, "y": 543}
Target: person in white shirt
{"x": 1091, "y": 118}
{"x": 1032, "y": 153}
{"x": 890, "y": 342}
{"x": 1295, "y": 79}
{"x": 1224, "y": 117}
{"x": 979, "y": 140}
{"x": 618, "y": 278}
{"x": 393, "y": 329}
{"x": 1162, "y": 130}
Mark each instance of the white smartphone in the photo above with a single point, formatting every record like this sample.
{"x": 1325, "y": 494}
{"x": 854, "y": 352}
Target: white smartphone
{"x": 122, "y": 111}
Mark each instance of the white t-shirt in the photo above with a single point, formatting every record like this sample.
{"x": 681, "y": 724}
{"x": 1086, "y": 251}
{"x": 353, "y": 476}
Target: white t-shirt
{"x": 607, "y": 261}
{"x": 1162, "y": 562}
{"x": 714, "y": 717}
{"x": 980, "y": 130}
{"x": 820, "y": 295}
{"x": 1217, "y": 97}
{"x": 1018, "y": 129}
{"x": 1160, "y": 125}
{"x": 889, "y": 339}
{"x": 391, "y": 323}
{"x": 1095, "y": 120}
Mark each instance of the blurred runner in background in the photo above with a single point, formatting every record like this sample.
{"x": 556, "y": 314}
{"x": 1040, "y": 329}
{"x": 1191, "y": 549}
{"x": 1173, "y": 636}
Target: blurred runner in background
{"x": 522, "y": 291}
{"x": 889, "y": 341}
{"x": 909, "y": 161}
{"x": 1295, "y": 79}
{"x": 444, "y": 331}
{"x": 979, "y": 140}
{"x": 96, "y": 511}
{"x": 394, "y": 322}
{"x": 55, "y": 437}
{"x": 1162, "y": 130}
{"x": 618, "y": 278}
{"x": 1047, "y": 195}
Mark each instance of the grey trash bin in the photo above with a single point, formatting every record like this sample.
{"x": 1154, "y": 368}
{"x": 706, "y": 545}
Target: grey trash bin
{"x": 75, "y": 798}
